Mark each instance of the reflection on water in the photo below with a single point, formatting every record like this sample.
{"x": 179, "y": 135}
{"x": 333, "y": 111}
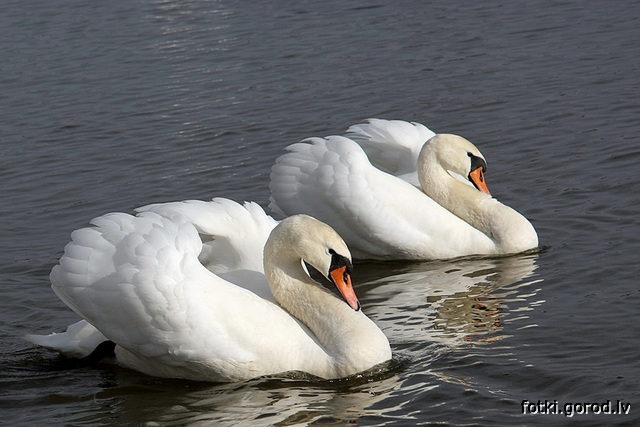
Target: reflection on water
{"x": 452, "y": 302}
{"x": 262, "y": 401}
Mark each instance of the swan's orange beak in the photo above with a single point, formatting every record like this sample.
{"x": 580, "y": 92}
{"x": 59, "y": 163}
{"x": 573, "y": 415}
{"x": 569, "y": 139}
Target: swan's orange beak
{"x": 342, "y": 280}
{"x": 477, "y": 177}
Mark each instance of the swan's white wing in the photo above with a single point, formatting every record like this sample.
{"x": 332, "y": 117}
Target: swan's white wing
{"x": 377, "y": 214}
{"x": 138, "y": 280}
{"x": 392, "y": 145}
{"x": 233, "y": 235}
{"x": 233, "y": 238}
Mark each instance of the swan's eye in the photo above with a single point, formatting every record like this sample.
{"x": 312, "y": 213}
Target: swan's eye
{"x": 338, "y": 261}
{"x": 477, "y": 162}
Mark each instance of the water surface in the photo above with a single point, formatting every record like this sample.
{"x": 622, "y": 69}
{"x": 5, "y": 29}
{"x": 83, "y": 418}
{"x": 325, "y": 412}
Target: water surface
{"x": 107, "y": 106}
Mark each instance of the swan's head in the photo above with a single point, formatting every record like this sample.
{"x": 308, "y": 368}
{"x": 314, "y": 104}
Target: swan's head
{"x": 321, "y": 247}
{"x": 458, "y": 157}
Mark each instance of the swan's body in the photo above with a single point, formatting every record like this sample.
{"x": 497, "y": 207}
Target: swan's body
{"x": 139, "y": 282}
{"x": 365, "y": 186}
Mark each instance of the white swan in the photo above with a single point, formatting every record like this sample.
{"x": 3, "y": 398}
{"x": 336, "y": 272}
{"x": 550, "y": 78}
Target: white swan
{"x": 364, "y": 185}
{"x": 138, "y": 280}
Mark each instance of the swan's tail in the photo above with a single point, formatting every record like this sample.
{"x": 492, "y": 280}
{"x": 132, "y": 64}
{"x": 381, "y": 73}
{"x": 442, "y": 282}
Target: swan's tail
{"x": 79, "y": 340}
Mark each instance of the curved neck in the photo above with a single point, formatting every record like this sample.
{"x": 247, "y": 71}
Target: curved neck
{"x": 458, "y": 198}
{"x": 350, "y": 339}
{"x": 327, "y": 316}
{"x": 510, "y": 231}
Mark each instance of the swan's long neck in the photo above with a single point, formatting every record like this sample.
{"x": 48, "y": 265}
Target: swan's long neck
{"x": 351, "y": 341}
{"x": 323, "y": 313}
{"x": 510, "y": 231}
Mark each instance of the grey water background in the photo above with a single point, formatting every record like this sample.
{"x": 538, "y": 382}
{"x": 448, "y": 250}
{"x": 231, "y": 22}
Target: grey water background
{"x": 106, "y": 106}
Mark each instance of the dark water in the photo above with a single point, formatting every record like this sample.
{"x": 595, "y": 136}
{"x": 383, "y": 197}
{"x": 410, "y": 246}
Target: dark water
{"x": 111, "y": 105}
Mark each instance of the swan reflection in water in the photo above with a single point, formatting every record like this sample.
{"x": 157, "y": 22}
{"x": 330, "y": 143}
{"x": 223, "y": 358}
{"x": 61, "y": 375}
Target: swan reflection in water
{"x": 452, "y": 302}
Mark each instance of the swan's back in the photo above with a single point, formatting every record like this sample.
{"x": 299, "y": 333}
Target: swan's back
{"x": 233, "y": 235}
{"x": 392, "y": 145}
